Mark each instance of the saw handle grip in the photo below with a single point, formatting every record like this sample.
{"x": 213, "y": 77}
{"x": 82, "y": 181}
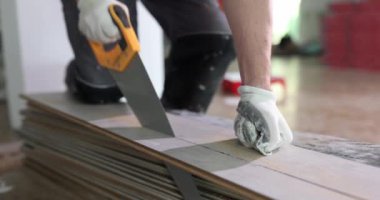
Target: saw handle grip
{"x": 117, "y": 56}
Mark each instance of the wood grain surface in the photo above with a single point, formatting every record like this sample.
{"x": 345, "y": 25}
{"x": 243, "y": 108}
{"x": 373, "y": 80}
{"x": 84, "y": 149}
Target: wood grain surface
{"x": 208, "y": 151}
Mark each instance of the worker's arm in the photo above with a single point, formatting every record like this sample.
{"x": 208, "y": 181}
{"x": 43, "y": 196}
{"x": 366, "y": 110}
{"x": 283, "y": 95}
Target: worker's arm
{"x": 259, "y": 123}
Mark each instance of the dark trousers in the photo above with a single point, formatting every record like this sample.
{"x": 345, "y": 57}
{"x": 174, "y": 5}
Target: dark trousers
{"x": 180, "y": 19}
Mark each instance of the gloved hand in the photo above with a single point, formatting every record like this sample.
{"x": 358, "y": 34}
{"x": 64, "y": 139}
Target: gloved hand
{"x": 259, "y": 124}
{"x": 95, "y": 21}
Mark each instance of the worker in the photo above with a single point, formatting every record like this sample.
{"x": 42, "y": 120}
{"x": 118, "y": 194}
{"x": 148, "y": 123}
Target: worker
{"x": 201, "y": 51}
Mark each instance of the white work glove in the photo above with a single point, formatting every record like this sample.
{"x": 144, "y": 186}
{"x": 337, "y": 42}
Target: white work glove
{"x": 95, "y": 21}
{"x": 259, "y": 124}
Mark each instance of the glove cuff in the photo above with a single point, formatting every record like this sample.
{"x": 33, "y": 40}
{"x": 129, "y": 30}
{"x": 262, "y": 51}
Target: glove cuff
{"x": 245, "y": 91}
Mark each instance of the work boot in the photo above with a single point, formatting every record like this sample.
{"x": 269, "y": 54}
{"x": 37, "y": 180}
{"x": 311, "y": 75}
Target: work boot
{"x": 91, "y": 84}
{"x": 194, "y": 70}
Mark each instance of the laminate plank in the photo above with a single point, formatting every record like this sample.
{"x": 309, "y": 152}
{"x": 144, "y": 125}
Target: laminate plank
{"x": 243, "y": 175}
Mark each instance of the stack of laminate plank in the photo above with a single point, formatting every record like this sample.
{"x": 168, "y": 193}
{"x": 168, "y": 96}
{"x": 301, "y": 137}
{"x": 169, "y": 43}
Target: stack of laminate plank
{"x": 100, "y": 152}
{"x": 95, "y": 165}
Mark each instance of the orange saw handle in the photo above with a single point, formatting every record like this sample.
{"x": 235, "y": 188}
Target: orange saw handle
{"x": 118, "y": 56}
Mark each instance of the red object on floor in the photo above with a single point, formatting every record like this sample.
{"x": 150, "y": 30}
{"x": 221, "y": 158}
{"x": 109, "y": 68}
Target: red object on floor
{"x": 278, "y": 80}
{"x": 231, "y": 87}
{"x": 221, "y": 4}
{"x": 232, "y": 82}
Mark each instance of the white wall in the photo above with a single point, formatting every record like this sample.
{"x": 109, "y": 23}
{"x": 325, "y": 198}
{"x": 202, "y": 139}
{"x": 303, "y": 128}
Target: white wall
{"x": 285, "y": 13}
{"x": 309, "y": 22}
{"x": 311, "y": 12}
{"x": 2, "y": 90}
{"x": 152, "y": 47}
{"x": 12, "y": 58}
{"x": 37, "y": 50}
{"x": 46, "y": 50}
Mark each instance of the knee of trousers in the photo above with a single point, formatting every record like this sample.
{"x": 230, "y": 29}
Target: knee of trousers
{"x": 194, "y": 70}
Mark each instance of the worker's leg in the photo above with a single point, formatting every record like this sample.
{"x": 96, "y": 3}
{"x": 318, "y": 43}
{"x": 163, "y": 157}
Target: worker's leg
{"x": 194, "y": 70}
{"x": 84, "y": 77}
{"x": 201, "y": 50}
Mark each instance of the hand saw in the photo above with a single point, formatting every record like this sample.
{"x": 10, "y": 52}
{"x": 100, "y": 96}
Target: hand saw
{"x": 126, "y": 67}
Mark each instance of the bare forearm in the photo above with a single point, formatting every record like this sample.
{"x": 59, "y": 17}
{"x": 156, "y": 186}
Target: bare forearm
{"x": 251, "y": 25}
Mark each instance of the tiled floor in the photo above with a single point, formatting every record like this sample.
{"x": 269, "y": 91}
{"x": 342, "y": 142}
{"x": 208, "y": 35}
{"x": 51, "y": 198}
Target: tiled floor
{"x": 344, "y": 103}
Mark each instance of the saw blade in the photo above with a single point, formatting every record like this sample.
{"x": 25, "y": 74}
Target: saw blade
{"x": 136, "y": 86}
